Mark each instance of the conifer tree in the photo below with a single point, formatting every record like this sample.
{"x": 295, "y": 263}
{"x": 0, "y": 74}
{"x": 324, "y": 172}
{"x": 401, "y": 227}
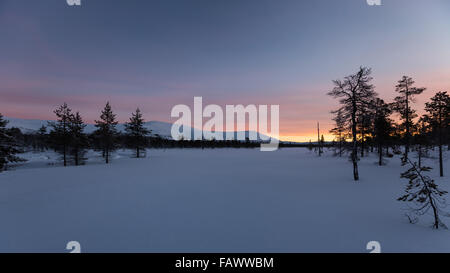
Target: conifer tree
{"x": 364, "y": 122}
{"x": 8, "y": 146}
{"x": 407, "y": 91}
{"x": 421, "y": 139}
{"x": 423, "y": 193}
{"x": 60, "y": 133}
{"x": 438, "y": 113}
{"x": 79, "y": 139}
{"x": 340, "y": 130}
{"x": 382, "y": 126}
{"x": 106, "y": 131}
{"x": 136, "y": 132}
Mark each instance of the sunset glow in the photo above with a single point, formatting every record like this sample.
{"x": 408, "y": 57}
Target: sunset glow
{"x": 154, "y": 55}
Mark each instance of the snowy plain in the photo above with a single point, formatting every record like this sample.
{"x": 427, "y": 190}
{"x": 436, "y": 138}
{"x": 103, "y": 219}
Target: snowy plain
{"x": 212, "y": 200}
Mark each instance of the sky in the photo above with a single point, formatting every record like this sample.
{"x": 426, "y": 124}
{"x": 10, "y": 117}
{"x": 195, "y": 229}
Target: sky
{"x": 155, "y": 54}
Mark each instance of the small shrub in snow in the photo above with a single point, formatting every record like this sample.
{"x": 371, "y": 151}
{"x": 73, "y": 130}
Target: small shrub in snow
{"x": 424, "y": 194}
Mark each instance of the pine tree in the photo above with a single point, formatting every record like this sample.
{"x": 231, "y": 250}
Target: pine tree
{"x": 340, "y": 130}
{"x": 136, "y": 132}
{"x": 423, "y": 192}
{"x": 439, "y": 112}
{"x": 60, "y": 133}
{"x": 79, "y": 140}
{"x": 403, "y": 106}
{"x": 8, "y": 146}
{"x": 382, "y": 126}
{"x": 106, "y": 131}
{"x": 354, "y": 93}
{"x": 364, "y": 121}
{"x": 421, "y": 138}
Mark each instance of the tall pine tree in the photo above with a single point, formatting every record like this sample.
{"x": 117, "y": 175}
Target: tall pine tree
{"x": 407, "y": 91}
{"x": 79, "y": 140}
{"x": 136, "y": 132}
{"x": 438, "y": 113}
{"x": 106, "y": 131}
{"x": 60, "y": 133}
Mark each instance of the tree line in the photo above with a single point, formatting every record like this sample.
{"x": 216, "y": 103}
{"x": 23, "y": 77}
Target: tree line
{"x": 66, "y": 135}
{"x": 364, "y": 122}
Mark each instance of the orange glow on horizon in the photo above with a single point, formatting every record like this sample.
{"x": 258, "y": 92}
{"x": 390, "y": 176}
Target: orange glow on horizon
{"x": 305, "y": 138}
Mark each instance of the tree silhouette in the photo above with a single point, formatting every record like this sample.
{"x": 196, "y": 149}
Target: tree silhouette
{"x": 8, "y": 146}
{"x": 340, "y": 130}
{"x": 60, "y": 133}
{"x": 136, "y": 132}
{"x": 423, "y": 192}
{"x": 78, "y": 139}
{"x": 438, "y": 113}
{"x": 382, "y": 126}
{"x": 403, "y": 106}
{"x": 354, "y": 93}
{"x": 106, "y": 131}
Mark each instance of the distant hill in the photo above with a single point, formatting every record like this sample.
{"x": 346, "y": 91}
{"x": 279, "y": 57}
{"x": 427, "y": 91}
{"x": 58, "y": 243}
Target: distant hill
{"x": 157, "y": 128}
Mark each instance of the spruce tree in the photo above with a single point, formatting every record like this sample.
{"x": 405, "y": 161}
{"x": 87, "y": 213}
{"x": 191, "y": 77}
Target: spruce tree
{"x": 438, "y": 113}
{"x": 79, "y": 140}
{"x": 60, "y": 133}
{"x": 136, "y": 132}
{"x": 407, "y": 91}
{"x": 8, "y": 146}
{"x": 106, "y": 131}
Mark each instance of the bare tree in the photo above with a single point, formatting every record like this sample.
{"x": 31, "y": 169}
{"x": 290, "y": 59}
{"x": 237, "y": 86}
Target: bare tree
{"x": 354, "y": 92}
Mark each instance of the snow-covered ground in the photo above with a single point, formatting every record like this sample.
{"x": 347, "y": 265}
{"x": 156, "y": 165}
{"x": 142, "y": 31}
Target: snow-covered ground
{"x": 217, "y": 200}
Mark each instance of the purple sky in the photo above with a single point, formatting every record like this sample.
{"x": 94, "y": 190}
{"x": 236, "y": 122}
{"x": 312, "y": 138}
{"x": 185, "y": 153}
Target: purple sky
{"x": 156, "y": 54}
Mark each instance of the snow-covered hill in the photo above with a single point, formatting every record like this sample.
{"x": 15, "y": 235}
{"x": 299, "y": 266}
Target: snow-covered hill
{"x": 157, "y": 128}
